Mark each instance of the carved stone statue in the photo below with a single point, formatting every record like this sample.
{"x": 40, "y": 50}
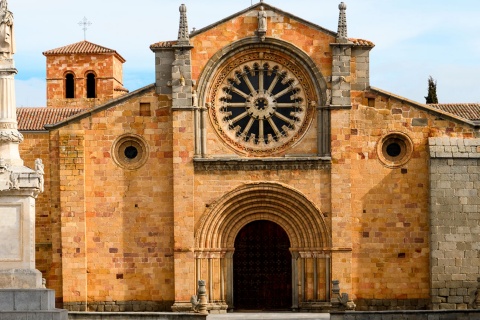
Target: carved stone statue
{"x": 39, "y": 169}
{"x": 194, "y": 98}
{"x": 7, "y": 42}
{"x": 262, "y": 20}
{"x": 199, "y": 304}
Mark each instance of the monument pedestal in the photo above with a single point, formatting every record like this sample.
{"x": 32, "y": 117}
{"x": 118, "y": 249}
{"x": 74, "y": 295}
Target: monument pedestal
{"x": 20, "y": 278}
{"x": 29, "y": 304}
{"x": 22, "y": 295}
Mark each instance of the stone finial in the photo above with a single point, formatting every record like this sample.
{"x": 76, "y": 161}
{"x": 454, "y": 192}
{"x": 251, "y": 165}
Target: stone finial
{"x": 342, "y": 22}
{"x": 183, "y": 33}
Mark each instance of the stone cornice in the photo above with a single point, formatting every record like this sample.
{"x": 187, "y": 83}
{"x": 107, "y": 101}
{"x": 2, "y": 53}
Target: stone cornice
{"x": 246, "y": 164}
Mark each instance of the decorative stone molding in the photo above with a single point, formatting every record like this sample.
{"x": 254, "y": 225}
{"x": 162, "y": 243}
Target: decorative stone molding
{"x": 299, "y": 58}
{"x": 262, "y": 102}
{"x": 242, "y": 164}
{"x": 16, "y": 178}
{"x": 394, "y": 149}
{"x": 11, "y": 136}
{"x": 130, "y": 151}
{"x": 299, "y": 217}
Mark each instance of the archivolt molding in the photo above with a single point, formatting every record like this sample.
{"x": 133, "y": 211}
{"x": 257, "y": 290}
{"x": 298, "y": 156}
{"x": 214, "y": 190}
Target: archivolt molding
{"x": 276, "y": 45}
{"x": 261, "y": 97}
{"x": 299, "y": 217}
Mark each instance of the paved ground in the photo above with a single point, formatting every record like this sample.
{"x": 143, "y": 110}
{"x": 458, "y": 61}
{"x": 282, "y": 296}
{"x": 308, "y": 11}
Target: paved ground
{"x": 276, "y": 316}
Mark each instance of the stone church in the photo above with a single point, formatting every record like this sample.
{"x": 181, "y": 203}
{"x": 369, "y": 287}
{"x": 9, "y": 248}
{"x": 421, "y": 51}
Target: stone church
{"x": 261, "y": 161}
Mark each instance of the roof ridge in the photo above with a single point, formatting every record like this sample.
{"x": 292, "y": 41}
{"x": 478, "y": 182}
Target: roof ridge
{"x": 82, "y": 47}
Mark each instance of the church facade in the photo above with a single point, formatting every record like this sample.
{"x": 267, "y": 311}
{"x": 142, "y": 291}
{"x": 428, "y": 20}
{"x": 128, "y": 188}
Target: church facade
{"x": 261, "y": 161}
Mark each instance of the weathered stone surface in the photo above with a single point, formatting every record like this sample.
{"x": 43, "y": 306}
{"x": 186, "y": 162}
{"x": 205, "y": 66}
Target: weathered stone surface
{"x": 454, "y": 229}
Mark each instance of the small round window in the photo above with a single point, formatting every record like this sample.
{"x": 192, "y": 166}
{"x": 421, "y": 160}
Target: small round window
{"x": 395, "y": 149}
{"x": 130, "y": 151}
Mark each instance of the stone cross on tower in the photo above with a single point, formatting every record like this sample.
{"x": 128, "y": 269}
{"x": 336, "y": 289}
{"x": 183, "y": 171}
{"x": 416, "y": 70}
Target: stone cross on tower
{"x": 84, "y": 24}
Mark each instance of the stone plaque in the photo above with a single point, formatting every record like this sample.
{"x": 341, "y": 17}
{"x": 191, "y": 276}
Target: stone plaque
{"x": 10, "y": 233}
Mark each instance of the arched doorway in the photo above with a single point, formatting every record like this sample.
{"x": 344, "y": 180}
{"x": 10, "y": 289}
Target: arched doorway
{"x": 308, "y": 247}
{"x": 262, "y": 267}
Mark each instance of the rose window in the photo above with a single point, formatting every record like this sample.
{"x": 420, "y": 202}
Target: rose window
{"x": 261, "y": 107}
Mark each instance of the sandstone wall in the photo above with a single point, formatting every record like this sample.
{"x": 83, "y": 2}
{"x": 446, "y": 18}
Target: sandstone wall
{"x": 390, "y": 211}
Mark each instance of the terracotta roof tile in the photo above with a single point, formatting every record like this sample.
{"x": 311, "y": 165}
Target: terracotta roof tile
{"x": 120, "y": 88}
{"x": 82, "y": 47}
{"x": 163, "y": 44}
{"x": 34, "y": 119}
{"x": 362, "y": 42}
{"x": 470, "y": 111}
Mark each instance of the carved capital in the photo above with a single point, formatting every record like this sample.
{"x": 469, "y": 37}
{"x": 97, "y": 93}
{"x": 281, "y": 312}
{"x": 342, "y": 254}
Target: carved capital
{"x": 11, "y": 136}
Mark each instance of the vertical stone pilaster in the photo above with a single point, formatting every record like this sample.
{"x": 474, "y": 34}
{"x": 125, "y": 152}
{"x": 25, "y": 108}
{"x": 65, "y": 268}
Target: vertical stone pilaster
{"x": 362, "y": 72}
{"x": 183, "y": 171}
{"x": 341, "y": 75}
{"x": 341, "y": 181}
{"x": 341, "y": 191}
{"x": 164, "y": 58}
{"x": 73, "y": 218}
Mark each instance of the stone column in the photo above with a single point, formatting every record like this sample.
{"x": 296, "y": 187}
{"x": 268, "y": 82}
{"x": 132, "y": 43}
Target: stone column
{"x": 19, "y": 187}
{"x": 10, "y": 138}
{"x": 22, "y": 294}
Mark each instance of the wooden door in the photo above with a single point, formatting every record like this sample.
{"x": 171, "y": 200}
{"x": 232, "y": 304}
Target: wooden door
{"x": 262, "y": 268}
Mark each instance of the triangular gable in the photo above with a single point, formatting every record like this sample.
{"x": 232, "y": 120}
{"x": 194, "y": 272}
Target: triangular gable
{"x": 432, "y": 109}
{"x": 266, "y": 6}
{"x": 108, "y": 105}
{"x": 169, "y": 44}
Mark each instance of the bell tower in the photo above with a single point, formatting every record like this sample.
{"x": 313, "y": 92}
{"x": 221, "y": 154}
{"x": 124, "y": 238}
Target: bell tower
{"x": 83, "y": 75}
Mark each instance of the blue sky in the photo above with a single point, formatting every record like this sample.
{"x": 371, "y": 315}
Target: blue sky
{"x": 414, "y": 39}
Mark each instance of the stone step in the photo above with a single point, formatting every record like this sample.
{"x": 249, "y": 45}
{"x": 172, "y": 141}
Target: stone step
{"x": 269, "y": 315}
{"x": 56, "y": 314}
{"x": 26, "y": 300}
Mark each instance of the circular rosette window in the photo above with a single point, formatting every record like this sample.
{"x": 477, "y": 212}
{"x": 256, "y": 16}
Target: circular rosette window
{"x": 130, "y": 151}
{"x": 395, "y": 149}
{"x": 261, "y": 104}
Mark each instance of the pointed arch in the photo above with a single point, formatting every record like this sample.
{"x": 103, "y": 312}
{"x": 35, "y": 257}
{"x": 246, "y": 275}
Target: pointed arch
{"x": 299, "y": 217}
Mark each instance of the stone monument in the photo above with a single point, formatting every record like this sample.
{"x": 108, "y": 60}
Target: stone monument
{"x": 22, "y": 295}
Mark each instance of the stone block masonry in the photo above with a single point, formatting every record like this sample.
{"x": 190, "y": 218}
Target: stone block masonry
{"x": 411, "y": 315}
{"x": 455, "y": 223}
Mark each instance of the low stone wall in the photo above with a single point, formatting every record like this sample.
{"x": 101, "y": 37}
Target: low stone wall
{"x": 134, "y": 316}
{"x": 392, "y": 304}
{"x": 410, "y": 315}
{"x": 454, "y": 222}
{"x": 120, "y": 306}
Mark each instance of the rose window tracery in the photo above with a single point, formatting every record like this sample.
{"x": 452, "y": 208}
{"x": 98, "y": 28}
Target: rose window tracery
{"x": 261, "y": 106}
